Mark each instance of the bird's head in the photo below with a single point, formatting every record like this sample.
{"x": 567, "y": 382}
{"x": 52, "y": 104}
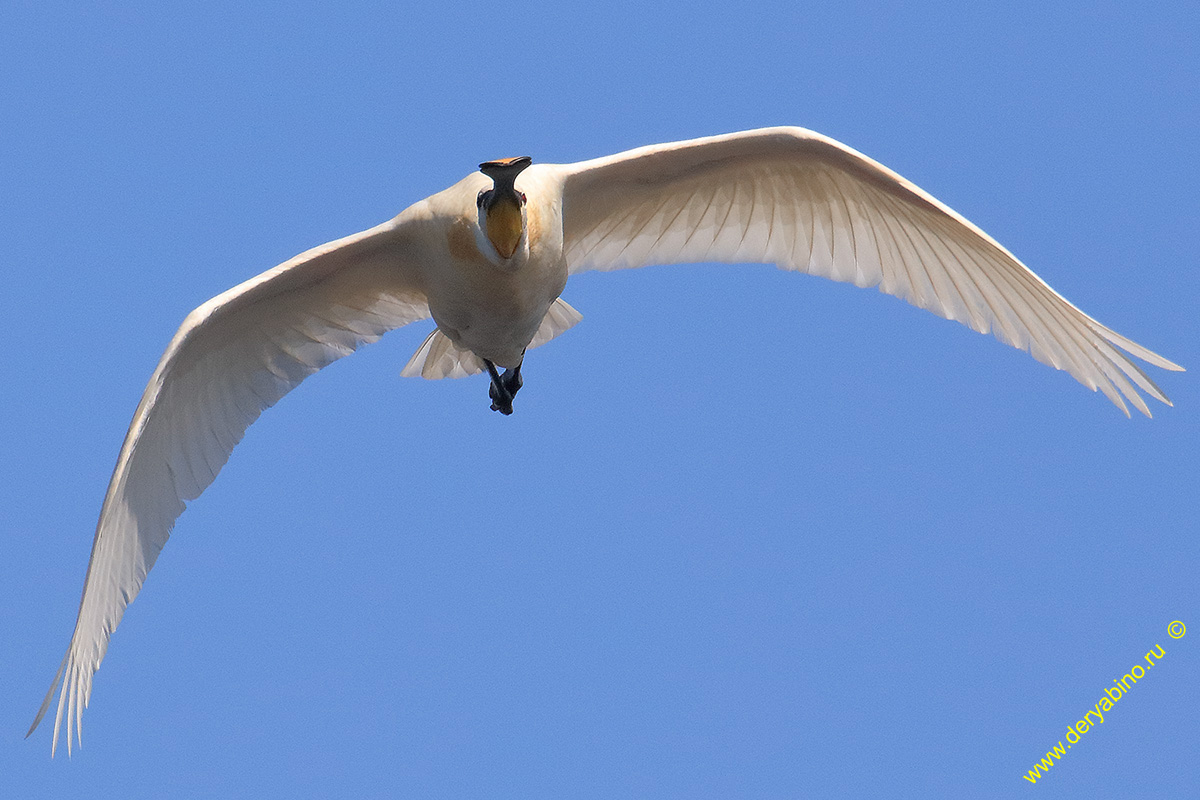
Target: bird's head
{"x": 502, "y": 204}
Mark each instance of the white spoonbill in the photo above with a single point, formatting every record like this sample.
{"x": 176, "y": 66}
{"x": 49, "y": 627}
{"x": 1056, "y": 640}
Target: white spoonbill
{"x": 488, "y": 258}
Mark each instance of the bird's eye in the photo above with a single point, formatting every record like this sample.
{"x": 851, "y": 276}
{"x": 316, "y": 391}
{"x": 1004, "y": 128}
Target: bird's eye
{"x": 479, "y": 198}
{"x": 522, "y": 197}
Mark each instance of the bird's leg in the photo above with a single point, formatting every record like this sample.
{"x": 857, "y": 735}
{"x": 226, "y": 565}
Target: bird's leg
{"x": 512, "y": 380}
{"x": 504, "y": 387}
{"x": 501, "y": 396}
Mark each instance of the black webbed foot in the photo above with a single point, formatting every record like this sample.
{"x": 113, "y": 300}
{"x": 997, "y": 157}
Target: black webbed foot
{"x": 501, "y": 400}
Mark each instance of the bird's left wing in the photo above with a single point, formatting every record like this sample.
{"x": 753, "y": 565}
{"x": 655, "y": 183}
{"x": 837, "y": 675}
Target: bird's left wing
{"x": 233, "y": 357}
{"x": 800, "y": 200}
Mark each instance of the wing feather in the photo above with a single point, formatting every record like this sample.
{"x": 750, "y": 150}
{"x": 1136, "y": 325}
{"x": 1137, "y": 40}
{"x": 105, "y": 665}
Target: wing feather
{"x": 805, "y": 202}
{"x": 233, "y": 357}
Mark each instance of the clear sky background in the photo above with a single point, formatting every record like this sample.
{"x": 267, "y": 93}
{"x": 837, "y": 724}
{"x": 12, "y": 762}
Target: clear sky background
{"x": 749, "y": 533}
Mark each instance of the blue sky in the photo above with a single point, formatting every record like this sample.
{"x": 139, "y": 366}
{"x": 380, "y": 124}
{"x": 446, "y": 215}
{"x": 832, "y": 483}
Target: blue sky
{"x": 749, "y": 533}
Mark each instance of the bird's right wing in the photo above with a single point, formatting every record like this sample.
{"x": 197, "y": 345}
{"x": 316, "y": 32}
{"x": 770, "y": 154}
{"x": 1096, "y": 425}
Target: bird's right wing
{"x": 805, "y": 202}
{"x": 233, "y": 357}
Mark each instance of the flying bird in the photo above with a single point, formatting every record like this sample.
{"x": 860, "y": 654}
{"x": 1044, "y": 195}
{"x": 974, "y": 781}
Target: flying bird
{"x": 488, "y": 259}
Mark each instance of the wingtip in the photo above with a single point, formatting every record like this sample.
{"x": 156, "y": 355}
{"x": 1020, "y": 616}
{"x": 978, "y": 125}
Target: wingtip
{"x": 1165, "y": 363}
{"x": 46, "y": 705}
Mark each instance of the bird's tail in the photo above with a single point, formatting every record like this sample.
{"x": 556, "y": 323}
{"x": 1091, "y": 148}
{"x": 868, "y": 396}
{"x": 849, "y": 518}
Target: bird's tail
{"x": 438, "y": 357}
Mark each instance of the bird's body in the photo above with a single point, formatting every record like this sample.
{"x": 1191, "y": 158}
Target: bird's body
{"x": 486, "y": 303}
{"x": 488, "y": 258}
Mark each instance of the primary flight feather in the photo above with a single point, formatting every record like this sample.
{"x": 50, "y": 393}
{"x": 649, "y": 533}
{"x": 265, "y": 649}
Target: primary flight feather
{"x": 488, "y": 258}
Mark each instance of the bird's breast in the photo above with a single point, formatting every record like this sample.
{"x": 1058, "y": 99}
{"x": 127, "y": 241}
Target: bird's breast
{"x": 491, "y": 309}
{"x": 460, "y": 243}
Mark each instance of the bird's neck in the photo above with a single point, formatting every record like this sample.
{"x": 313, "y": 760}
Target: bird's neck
{"x": 505, "y": 223}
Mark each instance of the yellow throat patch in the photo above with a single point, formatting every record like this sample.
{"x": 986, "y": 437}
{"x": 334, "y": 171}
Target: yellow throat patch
{"x": 504, "y": 226}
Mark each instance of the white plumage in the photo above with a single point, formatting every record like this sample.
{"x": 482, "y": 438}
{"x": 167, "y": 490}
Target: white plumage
{"x": 780, "y": 195}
